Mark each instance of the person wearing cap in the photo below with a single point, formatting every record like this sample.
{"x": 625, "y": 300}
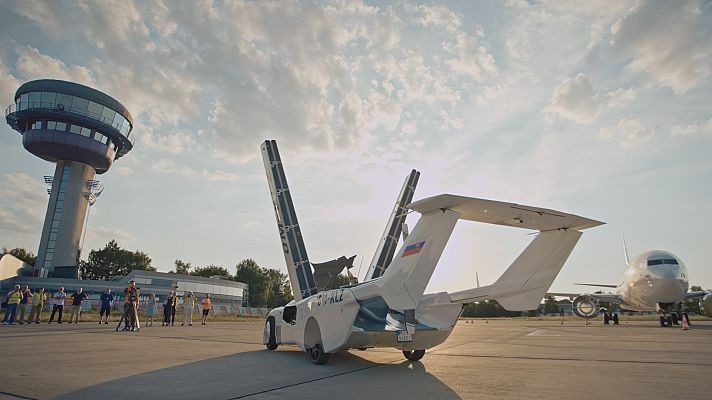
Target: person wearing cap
{"x": 38, "y": 300}
{"x": 131, "y": 306}
{"x": 188, "y": 306}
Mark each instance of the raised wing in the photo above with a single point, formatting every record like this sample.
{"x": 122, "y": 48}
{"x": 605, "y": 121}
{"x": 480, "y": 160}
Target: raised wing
{"x": 501, "y": 213}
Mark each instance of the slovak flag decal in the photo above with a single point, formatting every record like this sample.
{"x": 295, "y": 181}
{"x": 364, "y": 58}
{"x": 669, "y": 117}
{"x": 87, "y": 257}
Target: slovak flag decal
{"x": 413, "y": 249}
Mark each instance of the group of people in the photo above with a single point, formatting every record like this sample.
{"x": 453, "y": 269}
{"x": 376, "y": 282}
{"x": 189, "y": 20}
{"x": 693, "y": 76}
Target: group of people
{"x": 21, "y": 297}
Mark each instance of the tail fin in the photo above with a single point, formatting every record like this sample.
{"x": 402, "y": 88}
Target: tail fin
{"x": 527, "y": 280}
{"x": 389, "y": 240}
{"x": 521, "y": 287}
{"x": 295, "y": 253}
{"x": 625, "y": 250}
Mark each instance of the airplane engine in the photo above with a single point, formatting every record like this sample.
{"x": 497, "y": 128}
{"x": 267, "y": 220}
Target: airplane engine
{"x": 706, "y": 305}
{"x": 585, "y": 306}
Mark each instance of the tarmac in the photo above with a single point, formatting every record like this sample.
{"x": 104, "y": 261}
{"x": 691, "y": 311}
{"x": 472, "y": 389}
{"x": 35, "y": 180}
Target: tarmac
{"x": 500, "y": 359}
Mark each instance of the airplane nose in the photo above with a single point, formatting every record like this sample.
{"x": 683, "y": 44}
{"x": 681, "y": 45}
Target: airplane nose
{"x": 664, "y": 272}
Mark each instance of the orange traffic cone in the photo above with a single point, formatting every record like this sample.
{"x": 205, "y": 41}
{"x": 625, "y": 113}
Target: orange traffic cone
{"x": 685, "y": 323}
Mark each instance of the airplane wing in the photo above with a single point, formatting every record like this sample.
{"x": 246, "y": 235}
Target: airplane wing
{"x": 597, "y": 285}
{"x": 695, "y": 294}
{"x": 604, "y": 297}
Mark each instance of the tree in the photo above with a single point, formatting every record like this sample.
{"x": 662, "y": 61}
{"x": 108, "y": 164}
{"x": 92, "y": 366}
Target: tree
{"x": 550, "y": 305}
{"x": 182, "y": 267}
{"x": 24, "y": 255}
{"x": 692, "y": 305}
{"x": 267, "y": 287}
{"x": 210, "y": 270}
{"x": 113, "y": 260}
{"x": 487, "y": 309}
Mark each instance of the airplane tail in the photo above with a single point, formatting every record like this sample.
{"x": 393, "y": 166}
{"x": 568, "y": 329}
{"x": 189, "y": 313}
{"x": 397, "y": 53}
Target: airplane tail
{"x": 523, "y": 284}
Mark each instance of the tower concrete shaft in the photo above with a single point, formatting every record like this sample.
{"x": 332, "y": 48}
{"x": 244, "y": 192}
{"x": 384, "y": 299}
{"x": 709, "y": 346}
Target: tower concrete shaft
{"x": 59, "y": 251}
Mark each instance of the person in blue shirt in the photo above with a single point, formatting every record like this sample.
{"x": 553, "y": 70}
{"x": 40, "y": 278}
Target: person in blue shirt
{"x": 106, "y": 300}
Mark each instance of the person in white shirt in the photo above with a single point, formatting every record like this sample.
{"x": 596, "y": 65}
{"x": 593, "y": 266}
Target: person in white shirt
{"x": 58, "y": 305}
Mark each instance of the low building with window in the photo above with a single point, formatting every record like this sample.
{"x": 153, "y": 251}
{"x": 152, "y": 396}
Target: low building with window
{"x": 223, "y": 292}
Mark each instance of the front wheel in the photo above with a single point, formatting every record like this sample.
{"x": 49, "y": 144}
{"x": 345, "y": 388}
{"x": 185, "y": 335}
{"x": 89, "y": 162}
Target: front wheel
{"x": 413, "y": 355}
{"x": 269, "y": 330}
{"x": 317, "y": 355}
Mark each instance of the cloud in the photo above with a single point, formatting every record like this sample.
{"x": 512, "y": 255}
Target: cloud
{"x": 470, "y": 57}
{"x": 169, "y": 167}
{"x": 8, "y": 83}
{"x": 629, "y": 130}
{"x": 574, "y": 99}
{"x": 31, "y": 64}
{"x": 702, "y": 128}
{"x": 175, "y": 143}
{"x": 434, "y": 15}
{"x": 100, "y": 233}
{"x": 23, "y": 202}
{"x": 123, "y": 171}
{"x": 621, "y": 97}
{"x": 677, "y": 56}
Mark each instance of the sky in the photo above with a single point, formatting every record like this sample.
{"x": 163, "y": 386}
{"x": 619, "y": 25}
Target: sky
{"x": 601, "y": 109}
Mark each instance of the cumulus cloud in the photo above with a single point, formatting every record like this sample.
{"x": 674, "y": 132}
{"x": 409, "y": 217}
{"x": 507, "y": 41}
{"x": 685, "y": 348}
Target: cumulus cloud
{"x": 629, "y": 130}
{"x": 621, "y": 97}
{"x": 677, "y": 55}
{"x": 470, "y": 57}
{"x": 702, "y": 128}
{"x": 298, "y": 72}
{"x": 169, "y": 167}
{"x": 103, "y": 234}
{"x": 31, "y": 64}
{"x": 574, "y": 99}
{"x": 23, "y": 202}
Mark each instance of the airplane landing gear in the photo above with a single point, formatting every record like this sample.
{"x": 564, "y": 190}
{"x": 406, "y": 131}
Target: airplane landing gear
{"x": 612, "y": 317}
{"x": 606, "y": 319}
{"x": 413, "y": 355}
{"x": 674, "y": 319}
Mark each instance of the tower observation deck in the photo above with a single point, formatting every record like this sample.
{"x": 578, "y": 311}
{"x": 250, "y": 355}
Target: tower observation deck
{"x": 83, "y": 131}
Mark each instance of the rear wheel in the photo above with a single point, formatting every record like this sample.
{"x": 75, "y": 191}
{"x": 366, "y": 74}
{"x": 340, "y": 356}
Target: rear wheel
{"x": 317, "y": 355}
{"x": 413, "y": 355}
{"x": 270, "y": 331}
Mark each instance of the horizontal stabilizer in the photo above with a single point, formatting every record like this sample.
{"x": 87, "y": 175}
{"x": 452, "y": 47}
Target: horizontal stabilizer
{"x": 596, "y": 285}
{"x": 523, "y": 285}
{"x": 502, "y": 213}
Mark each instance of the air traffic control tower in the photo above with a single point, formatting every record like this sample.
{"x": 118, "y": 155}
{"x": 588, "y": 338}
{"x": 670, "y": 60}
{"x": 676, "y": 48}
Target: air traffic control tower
{"x": 83, "y": 131}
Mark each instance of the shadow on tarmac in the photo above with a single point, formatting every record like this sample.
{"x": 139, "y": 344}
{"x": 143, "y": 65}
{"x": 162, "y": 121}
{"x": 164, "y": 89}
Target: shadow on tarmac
{"x": 283, "y": 373}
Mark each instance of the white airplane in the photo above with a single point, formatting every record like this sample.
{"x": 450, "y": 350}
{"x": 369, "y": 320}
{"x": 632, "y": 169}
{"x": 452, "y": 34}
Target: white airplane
{"x": 656, "y": 280}
{"x": 391, "y": 309}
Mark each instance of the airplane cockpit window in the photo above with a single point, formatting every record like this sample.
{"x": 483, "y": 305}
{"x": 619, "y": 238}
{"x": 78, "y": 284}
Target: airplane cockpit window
{"x": 662, "y": 261}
